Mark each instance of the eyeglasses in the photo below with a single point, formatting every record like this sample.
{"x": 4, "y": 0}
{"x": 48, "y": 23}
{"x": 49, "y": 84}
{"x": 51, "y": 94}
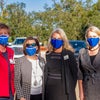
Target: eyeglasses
{"x": 33, "y": 45}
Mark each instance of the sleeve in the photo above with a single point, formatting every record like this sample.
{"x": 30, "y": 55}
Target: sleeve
{"x": 42, "y": 62}
{"x": 45, "y": 74}
{"x": 80, "y": 74}
{"x": 73, "y": 66}
{"x": 17, "y": 79}
{"x": 46, "y": 70}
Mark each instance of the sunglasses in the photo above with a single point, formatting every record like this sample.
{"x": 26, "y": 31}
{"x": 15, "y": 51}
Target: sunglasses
{"x": 33, "y": 45}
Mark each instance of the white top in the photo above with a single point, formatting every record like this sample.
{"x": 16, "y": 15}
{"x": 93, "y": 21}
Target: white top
{"x": 36, "y": 79}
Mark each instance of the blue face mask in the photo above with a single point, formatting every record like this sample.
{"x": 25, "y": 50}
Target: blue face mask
{"x": 93, "y": 41}
{"x": 3, "y": 40}
{"x": 30, "y": 50}
{"x": 56, "y": 43}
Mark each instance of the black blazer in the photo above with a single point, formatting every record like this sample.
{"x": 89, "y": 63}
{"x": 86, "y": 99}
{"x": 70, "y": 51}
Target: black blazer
{"x": 69, "y": 73}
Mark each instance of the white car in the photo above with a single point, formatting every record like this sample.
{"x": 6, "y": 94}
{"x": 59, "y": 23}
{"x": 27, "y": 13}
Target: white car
{"x": 18, "y": 51}
{"x": 17, "y": 46}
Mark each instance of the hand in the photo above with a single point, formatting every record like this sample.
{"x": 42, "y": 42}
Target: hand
{"x": 81, "y": 92}
{"x": 81, "y": 97}
{"x": 22, "y": 98}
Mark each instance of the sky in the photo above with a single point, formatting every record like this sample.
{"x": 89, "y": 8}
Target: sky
{"x": 32, "y": 5}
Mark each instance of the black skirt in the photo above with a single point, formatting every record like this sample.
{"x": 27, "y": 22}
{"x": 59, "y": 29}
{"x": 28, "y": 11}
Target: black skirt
{"x": 36, "y": 97}
{"x": 54, "y": 90}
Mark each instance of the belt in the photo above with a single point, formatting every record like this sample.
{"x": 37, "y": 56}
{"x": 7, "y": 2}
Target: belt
{"x": 54, "y": 76}
{"x": 92, "y": 76}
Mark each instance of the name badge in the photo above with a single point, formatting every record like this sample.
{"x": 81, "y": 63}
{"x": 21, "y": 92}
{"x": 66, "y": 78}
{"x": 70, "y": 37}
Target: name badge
{"x": 12, "y": 61}
{"x": 66, "y": 57}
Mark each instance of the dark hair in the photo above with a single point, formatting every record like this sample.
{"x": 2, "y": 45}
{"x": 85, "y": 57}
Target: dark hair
{"x": 4, "y": 26}
{"x": 31, "y": 38}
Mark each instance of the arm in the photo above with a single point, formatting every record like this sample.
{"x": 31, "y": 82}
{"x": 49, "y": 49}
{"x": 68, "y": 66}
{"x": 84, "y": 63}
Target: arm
{"x": 80, "y": 78}
{"x": 17, "y": 80}
{"x": 81, "y": 93}
{"x": 73, "y": 66}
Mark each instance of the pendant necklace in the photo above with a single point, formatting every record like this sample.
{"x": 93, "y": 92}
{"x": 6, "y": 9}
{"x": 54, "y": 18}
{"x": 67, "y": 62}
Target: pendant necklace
{"x": 35, "y": 73}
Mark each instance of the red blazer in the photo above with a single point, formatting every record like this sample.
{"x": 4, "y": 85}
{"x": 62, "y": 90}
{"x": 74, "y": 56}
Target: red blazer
{"x": 4, "y": 78}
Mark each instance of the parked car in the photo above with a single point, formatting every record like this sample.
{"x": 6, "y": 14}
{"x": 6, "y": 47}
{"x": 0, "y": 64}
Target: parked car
{"x": 19, "y": 41}
{"x": 77, "y": 45}
{"x": 17, "y": 46}
{"x": 18, "y": 51}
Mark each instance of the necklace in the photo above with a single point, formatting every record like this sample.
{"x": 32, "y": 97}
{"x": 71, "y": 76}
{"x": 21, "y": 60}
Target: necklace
{"x": 35, "y": 74}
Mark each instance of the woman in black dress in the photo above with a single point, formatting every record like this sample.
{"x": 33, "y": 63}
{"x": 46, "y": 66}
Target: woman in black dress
{"x": 89, "y": 66}
{"x": 60, "y": 74}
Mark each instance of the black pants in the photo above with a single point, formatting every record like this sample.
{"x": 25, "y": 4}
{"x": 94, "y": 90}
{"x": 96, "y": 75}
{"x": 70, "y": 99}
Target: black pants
{"x": 36, "y": 97}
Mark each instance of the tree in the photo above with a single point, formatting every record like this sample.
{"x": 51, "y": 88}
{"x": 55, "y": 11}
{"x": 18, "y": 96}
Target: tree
{"x": 19, "y": 20}
{"x": 73, "y": 16}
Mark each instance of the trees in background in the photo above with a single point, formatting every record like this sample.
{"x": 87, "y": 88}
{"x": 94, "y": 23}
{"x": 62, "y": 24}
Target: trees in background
{"x": 19, "y": 21}
{"x": 74, "y": 16}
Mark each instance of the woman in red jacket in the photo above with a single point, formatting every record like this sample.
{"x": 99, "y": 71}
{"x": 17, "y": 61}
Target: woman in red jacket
{"x": 6, "y": 65}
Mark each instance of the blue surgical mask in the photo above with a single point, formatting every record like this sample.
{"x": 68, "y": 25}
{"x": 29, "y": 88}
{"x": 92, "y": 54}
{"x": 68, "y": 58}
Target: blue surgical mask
{"x": 56, "y": 43}
{"x": 3, "y": 40}
{"x": 30, "y": 50}
{"x": 93, "y": 41}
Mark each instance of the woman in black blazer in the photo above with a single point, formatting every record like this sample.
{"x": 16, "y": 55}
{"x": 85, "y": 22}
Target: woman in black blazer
{"x": 60, "y": 73}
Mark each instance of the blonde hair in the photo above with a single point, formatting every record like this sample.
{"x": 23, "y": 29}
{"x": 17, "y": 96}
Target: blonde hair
{"x": 66, "y": 44}
{"x": 92, "y": 29}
